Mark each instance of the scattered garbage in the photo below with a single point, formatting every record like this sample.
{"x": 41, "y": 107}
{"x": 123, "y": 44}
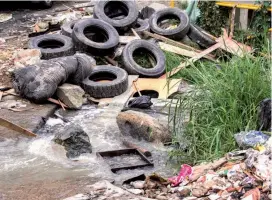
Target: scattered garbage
{"x": 250, "y": 139}
{"x": 143, "y": 102}
{"x": 185, "y": 172}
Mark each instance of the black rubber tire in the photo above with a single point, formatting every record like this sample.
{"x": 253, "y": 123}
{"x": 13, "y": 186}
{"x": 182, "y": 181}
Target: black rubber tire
{"x": 47, "y": 53}
{"x": 67, "y": 28}
{"x": 84, "y": 44}
{"x": 196, "y": 35}
{"x": 143, "y": 25}
{"x": 125, "y": 23}
{"x": 176, "y": 33}
{"x": 106, "y": 89}
{"x": 133, "y": 68}
{"x": 85, "y": 67}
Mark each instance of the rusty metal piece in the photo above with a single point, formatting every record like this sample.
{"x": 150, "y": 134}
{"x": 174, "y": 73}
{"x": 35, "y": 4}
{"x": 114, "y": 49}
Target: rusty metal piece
{"x": 12, "y": 126}
{"x": 123, "y": 152}
{"x": 134, "y": 146}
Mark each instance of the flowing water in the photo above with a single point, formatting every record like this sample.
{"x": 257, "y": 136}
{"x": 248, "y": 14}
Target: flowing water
{"x": 32, "y": 167}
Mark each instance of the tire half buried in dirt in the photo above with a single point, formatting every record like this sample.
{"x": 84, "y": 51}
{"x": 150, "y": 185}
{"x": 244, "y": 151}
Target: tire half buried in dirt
{"x": 52, "y": 46}
{"x": 176, "y": 33}
{"x": 149, "y": 49}
{"x": 95, "y": 36}
{"x": 106, "y": 81}
{"x": 108, "y": 10}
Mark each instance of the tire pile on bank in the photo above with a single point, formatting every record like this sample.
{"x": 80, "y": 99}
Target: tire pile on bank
{"x": 99, "y": 36}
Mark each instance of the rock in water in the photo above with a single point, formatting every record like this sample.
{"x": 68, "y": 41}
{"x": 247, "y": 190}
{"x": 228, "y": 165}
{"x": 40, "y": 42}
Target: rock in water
{"x": 71, "y": 95}
{"x": 75, "y": 141}
{"x": 142, "y": 126}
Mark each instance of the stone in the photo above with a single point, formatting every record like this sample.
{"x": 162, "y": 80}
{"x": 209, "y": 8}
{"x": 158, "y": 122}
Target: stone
{"x": 185, "y": 192}
{"x": 71, "y": 95}
{"x": 135, "y": 191}
{"x": 138, "y": 184}
{"x": 74, "y": 139}
{"x": 142, "y": 126}
{"x": 160, "y": 197}
{"x": 199, "y": 190}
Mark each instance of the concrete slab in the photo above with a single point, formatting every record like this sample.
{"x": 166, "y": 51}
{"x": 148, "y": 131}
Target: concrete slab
{"x": 31, "y": 119}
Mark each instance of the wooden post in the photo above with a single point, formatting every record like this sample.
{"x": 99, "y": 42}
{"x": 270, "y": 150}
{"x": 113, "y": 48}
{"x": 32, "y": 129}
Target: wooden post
{"x": 243, "y": 19}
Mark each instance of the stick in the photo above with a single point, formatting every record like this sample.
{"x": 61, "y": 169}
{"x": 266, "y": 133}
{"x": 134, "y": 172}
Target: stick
{"x": 175, "y": 43}
{"x": 111, "y": 61}
{"x": 12, "y": 126}
{"x": 135, "y": 85}
{"x": 56, "y": 102}
{"x": 135, "y": 33}
{"x": 233, "y": 11}
{"x": 134, "y": 146}
{"x": 61, "y": 104}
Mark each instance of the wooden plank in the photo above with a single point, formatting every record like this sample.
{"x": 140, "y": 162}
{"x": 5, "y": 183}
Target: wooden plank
{"x": 164, "y": 87}
{"x": 127, "y": 39}
{"x": 243, "y": 19}
{"x": 193, "y": 59}
{"x": 177, "y": 50}
{"x": 12, "y": 126}
{"x": 175, "y": 43}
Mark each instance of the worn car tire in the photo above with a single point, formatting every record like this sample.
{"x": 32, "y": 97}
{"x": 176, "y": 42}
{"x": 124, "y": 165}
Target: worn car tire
{"x": 104, "y": 30}
{"x": 177, "y": 33}
{"x": 133, "y": 68}
{"x": 128, "y": 6}
{"x": 62, "y": 45}
{"x": 197, "y": 35}
{"x": 141, "y": 25}
{"x": 67, "y": 28}
{"x": 117, "y": 85}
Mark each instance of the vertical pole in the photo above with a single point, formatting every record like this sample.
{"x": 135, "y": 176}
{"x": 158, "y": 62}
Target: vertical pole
{"x": 172, "y": 3}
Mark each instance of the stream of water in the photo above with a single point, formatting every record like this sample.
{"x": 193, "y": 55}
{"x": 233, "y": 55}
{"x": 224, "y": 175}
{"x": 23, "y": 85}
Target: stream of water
{"x": 39, "y": 160}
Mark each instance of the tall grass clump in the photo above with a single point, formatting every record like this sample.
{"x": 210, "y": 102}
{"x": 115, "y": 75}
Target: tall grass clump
{"x": 223, "y": 102}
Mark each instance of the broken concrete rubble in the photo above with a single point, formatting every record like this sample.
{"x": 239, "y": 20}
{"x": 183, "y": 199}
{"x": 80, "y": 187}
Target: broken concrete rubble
{"x": 74, "y": 139}
{"x": 142, "y": 126}
{"x": 71, "y": 95}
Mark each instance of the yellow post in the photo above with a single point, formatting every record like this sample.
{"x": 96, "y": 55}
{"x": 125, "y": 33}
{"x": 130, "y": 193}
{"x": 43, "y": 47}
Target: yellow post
{"x": 172, "y": 3}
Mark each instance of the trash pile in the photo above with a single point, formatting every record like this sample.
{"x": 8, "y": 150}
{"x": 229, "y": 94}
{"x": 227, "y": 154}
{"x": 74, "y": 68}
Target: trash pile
{"x": 242, "y": 174}
{"x": 115, "y": 30}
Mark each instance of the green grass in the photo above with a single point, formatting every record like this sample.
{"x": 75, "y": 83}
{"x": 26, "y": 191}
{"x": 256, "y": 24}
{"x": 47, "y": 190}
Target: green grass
{"x": 224, "y": 102}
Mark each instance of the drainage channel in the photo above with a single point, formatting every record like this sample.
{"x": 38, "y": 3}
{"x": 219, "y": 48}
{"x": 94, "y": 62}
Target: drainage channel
{"x": 29, "y": 163}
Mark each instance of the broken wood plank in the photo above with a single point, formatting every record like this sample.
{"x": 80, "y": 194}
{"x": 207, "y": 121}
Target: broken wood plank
{"x": 135, "y": 33}
{"x": 175, "y": 43}
{"x": 111, "y": 61}
{"x": 164, "y": 87}
{"x": 134, "y": 146}
{"x": 191, "y": 60}
{"x": 127, "y": 39}
{"x": 17, "y": 128}
{"x": 180, "y": 51}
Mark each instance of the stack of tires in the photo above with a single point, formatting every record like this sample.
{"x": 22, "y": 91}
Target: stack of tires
{"x": 99, "y": 36}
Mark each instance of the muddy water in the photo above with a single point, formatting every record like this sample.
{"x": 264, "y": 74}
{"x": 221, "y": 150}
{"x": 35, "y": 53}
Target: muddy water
{"x": 29, "y": 168}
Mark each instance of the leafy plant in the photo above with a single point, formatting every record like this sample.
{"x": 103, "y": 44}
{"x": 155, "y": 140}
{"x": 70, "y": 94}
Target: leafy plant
{"x": 212, "y": 17}
{"x": 223, "y": 102}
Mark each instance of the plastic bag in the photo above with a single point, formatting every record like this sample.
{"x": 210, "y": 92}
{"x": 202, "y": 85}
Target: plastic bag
{"x": 250, "y": 139}
{"x": 143, "y": 102}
